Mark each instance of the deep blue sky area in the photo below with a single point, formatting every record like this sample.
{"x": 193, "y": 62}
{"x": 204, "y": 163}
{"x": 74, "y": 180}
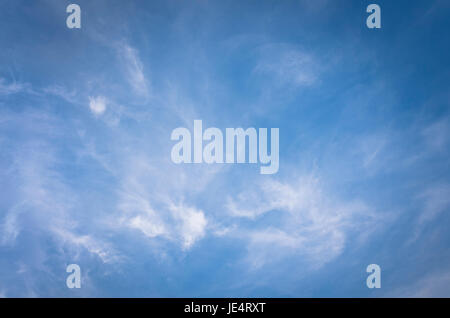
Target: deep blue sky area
{"x": 86, "y": 175}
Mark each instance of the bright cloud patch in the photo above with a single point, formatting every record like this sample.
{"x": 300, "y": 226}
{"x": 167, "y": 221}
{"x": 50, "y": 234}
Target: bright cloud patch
{"x": 192, "y": 223}
{"x": 180, "y": 223}
{"x": 97, "y": 104}
{"x": 313, "y": 224}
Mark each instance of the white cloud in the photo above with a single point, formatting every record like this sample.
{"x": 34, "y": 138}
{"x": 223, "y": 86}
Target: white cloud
{"x": 62, "y": 92}
{"x": 97, "y": 104}
{"x": 87, "y": 242}
{"x": 312, "y": 223}
{"x": 192, "y": 224}
{"x": 12, "y": 88}
{"x": 44, "y": 200}
{"x": 134, "y": 70}
{"x": 272, "y": 195}
{"x": 184, "y": 224}
{"x": 152, "y": 201}
{"x": 10, "y": 227}
{"x": 288, "y": 65}
{"x": 147, "y": 226}
{"x": 144, "y": 217}
{"x": 371, "y": 147}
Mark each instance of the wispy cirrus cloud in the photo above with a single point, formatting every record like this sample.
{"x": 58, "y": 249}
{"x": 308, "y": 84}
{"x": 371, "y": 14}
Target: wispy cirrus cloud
{"x": 179, "y": 223}
{"x": 14, "y": 87}
{"x": 157, "y": 215}
{"x": 43, "y": 205}
{"x": 434, "y": 200}
{"x": 85, "y": 164}
{"x": 288, "y": 65}
{"x": 134, "y": 70}
{"x": 70, "y": 96}
{"x": 313, "y": 225}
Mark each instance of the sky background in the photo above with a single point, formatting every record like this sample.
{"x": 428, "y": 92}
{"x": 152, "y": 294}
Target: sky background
{"x": 86, "y": 176}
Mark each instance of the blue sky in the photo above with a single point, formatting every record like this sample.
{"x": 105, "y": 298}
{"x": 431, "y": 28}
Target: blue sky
{"x": 86, "y": 176}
